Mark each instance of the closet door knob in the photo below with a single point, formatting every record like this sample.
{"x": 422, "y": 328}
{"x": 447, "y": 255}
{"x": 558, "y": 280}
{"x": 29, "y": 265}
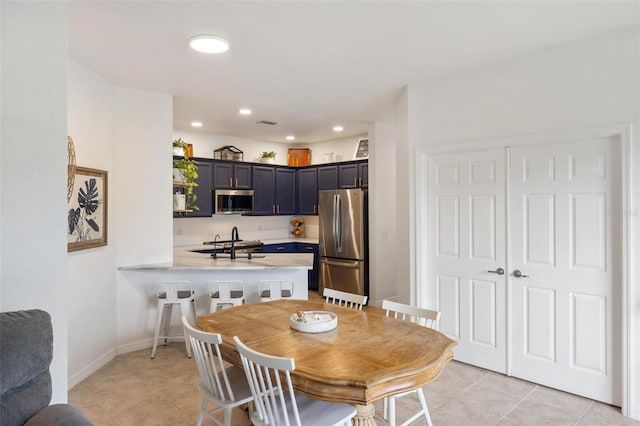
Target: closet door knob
{"x": 519, "y": 274}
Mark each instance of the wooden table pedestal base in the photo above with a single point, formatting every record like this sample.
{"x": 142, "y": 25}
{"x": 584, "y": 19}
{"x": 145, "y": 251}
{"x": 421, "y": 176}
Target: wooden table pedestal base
{"x": 364, "y": 415}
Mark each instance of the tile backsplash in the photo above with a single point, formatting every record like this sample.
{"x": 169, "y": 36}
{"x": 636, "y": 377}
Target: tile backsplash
{"x": 188, "y": 231}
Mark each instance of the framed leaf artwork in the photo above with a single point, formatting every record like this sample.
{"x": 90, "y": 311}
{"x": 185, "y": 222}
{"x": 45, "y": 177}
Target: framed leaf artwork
{"x": 87, "y": 210}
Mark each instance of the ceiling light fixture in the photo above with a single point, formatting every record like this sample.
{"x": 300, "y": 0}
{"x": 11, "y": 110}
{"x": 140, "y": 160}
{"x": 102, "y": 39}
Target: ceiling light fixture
{"x": 196, "y": 124}
{"x": 209, "y": 44}
{"x": 291, "y": 138}
{"x": 338, "y": 128}
{"x": 245, "y": 111}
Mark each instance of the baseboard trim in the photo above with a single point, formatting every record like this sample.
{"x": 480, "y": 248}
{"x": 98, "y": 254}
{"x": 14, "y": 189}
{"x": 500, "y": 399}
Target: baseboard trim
{"x": 135, "y": 346}
{"x": 87, "y": 371}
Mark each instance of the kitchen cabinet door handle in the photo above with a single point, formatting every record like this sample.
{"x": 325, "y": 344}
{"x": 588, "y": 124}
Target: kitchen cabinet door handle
{"x": 355, "y": 181}
{"x": 273, "y": 208}
{"x": 236, "y": 182}
{"x": 279, "y": 248}
{"x": 360, "y": 183}
{"x": 231, "y": 182}
{"x": 278, "y": 208}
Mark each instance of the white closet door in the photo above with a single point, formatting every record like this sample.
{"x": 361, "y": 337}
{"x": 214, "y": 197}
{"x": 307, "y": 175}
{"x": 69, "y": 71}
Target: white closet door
{"x": 565, "y": 333}
{"x": 466, "y": 199}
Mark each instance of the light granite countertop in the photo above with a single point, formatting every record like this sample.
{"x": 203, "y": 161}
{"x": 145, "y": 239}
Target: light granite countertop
{"x": 185, "y": 259}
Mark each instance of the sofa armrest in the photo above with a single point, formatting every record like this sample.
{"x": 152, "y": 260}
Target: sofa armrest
{"x": 59, "y": 415}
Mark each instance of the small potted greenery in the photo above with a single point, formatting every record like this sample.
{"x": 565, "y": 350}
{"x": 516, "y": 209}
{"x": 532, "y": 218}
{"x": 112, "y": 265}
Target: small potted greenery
{"x": 185, "y": 174}
{"x": 268, "y": 156}
{"x": 179, "y": 147}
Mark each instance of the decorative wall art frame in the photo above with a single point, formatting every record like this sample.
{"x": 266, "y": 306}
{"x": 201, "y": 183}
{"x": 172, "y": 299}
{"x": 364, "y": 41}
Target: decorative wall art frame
{"x": 87, "y": 210}
{"x": 362, "y": 149}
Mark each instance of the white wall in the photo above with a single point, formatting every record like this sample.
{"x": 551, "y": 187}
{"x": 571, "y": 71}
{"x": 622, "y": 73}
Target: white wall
{"x": 128, "y": 133}
{"x": 33, "y": 159}
{"x": 143, "y": 203}
{"x": 383, "y": 278}
{"x": 205, "y": 143}
{"x": 588, "y": 84}
{"x": 405, "y": 244}
{"x": 335, "y": 150}
{"x": 91, "y": 273}
{"x": 342, "y": 149}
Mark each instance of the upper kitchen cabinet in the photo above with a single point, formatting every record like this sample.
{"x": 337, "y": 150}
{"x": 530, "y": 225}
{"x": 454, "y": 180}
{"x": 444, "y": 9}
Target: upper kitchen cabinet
{"x": 327, "y": 177}
{"x": 308, "y": 191}
{"x": 203, "y": 193}
{"x": 285, "y": 191}
{"x": 230, "y": 175}
{"x": 353, "y": 175}
{"x": 274, "y": 190}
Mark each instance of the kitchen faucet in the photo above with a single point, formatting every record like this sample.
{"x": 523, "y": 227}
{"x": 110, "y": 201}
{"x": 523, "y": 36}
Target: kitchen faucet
{"x": 214, "y": 254}
{"x": 234, "y": 238}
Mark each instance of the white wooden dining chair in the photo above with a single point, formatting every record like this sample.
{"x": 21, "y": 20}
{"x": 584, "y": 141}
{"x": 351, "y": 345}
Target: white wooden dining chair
{"x": 276, "y": 404}
{"x": 224, "y": 388}
{"x": 425, "y": 318}
{"x": 343, "y": 298}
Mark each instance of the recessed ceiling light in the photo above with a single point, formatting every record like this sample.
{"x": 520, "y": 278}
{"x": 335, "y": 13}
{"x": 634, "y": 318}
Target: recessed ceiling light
{"x": 291, "y": 138}
{"x": 245, "y": 111}
{"x": 209, "y": 44}
{"x": 338, "y": 128}
{"x": 196, "y": 124}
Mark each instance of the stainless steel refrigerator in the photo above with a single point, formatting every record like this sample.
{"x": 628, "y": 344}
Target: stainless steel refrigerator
{"x": 344, "y": 245}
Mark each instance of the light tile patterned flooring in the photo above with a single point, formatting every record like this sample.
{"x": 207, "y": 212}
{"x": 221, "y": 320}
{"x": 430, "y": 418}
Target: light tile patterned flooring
{"x": 135, "y": 390}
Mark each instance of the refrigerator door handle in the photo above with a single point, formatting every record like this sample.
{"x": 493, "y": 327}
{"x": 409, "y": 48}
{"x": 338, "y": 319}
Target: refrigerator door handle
{"x": 349, "y": 264}
{"x": 334, "y": 222}
{"x": 339, "y": 227}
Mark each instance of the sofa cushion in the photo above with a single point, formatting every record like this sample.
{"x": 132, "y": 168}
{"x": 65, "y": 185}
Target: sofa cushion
{"x": 59, "y": 415}
{"x": 26, "y": 348}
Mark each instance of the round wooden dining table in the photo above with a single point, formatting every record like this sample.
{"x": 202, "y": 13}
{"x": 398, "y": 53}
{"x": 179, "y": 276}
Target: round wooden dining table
{"x": 368, "y": 356}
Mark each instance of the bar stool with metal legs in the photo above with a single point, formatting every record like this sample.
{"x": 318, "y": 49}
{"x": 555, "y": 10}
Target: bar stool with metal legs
{"x": 274, "y": 290}
{"x": 225, "y": 294}
{"x": 172, "y": 293}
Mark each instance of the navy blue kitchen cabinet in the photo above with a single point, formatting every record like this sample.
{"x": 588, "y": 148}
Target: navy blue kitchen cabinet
{"x": 327, "y": 177}
{"x": 202, "y": 191}
{"x": 353, "y": 175}
{"x": 285, "y": 191}
{"x": 363, "y": 172}
{"x": 314, "y": 274}
{"x": 274, "y": 190}
{"x": 264, "y": 187}
{"x": 308, "y": 191}
{"x": 280, "y": 248}
{"x": 230, "y": 175}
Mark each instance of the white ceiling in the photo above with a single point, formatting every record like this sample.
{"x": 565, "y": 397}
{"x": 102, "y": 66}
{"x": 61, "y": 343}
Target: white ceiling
{"x": 311, "y": 65}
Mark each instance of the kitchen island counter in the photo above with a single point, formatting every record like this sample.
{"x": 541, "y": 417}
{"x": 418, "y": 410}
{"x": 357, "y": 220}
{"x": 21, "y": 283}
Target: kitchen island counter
{"x": 185, "y": 259}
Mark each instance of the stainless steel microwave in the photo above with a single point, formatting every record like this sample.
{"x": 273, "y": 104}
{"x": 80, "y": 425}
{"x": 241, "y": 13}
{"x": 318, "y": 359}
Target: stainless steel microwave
{"x": 231, "y": 201}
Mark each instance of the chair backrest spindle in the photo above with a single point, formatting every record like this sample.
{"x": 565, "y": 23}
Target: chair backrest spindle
{"x": 342, "y": 298}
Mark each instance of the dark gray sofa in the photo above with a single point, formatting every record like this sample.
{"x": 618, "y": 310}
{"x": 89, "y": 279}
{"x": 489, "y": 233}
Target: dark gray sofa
{"x": 26, "y": 351}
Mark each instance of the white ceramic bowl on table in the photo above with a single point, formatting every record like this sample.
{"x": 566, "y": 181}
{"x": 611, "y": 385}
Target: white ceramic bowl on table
{"x": 314, "y": 321}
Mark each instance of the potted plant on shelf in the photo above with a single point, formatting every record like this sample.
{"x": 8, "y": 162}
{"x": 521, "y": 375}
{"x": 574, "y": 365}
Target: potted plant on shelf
{"x": 268, "y": 156}
{"x": 185, "y": 173}
{"x": 179, "y": 147}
